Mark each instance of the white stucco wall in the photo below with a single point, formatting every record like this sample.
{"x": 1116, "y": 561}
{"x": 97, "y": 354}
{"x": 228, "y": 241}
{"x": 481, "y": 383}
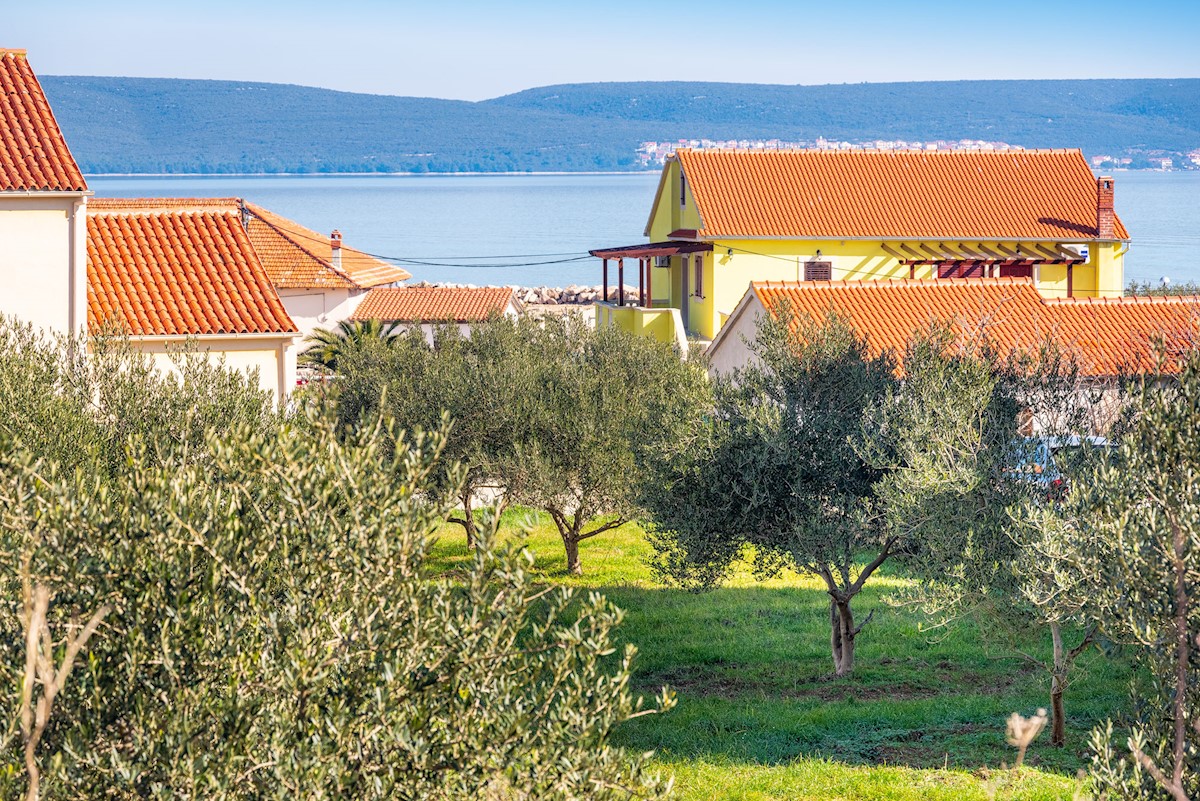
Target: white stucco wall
{"x": 311, "y": 309}
{"x": 43, "y": 260}
{"x": 731, "y": 349}
{"x": 273, "y": 358}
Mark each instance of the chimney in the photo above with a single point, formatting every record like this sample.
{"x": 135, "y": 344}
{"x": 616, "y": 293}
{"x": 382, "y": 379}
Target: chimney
{"x": 335, "y": 243}
{"x": 1105, "y": 216}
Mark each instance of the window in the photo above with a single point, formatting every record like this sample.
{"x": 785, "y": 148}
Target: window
{"x": 698, "y": 285}
{"x": 818, "y": 271}
{"x": 682, "y": 189}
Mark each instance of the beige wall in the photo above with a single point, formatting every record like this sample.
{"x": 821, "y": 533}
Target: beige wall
{"x": 43, "y": 260}
{"x": 270, "y": 357}
{"x": 732, "y": 349}
{"x": 311, "y": 309}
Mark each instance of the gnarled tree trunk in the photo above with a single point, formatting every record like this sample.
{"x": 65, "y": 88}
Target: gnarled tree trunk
{"x": 467, "y": 521}
{"x": 574, "y": 566}
{"x": 841, "y": 637}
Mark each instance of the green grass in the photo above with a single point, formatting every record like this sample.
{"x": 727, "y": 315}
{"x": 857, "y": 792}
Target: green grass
{"x": 760, "y": 717}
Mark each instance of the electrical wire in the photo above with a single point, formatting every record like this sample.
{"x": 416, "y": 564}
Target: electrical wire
{"x": 446, "y": 261}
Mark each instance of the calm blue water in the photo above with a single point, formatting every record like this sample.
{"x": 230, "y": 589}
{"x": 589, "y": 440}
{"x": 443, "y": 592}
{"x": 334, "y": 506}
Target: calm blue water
{"x": 432, "y": 217}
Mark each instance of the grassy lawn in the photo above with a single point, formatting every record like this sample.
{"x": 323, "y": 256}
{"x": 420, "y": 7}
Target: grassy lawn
{"x": 759, "y": 716}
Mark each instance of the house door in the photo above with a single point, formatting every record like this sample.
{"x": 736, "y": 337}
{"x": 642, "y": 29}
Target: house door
{"x": 684, "y": 301}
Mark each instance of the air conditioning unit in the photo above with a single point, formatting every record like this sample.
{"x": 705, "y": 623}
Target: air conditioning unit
{"x": 662, "y": 261}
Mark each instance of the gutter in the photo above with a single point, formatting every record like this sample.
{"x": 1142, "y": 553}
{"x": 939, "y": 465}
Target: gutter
{"x": 290, "y": 336}
{"x": 7, "y": 193}
{"x": 941, "y": 237}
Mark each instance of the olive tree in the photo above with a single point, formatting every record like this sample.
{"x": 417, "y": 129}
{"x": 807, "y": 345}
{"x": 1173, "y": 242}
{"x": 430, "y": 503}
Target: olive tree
{"x": 960, "y": 484}
{"x": 480, "y": 381}
{"x": 603, "y": 411}
{"x": 1128, "y": 536}
{"x": 257, "y": 619}
{"x": 550, "y": 413}
{"x": 778, "y": 467}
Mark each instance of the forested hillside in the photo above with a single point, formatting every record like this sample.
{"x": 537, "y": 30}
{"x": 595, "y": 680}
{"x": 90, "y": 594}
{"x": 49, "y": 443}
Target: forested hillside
{"x": 190, "y": 126}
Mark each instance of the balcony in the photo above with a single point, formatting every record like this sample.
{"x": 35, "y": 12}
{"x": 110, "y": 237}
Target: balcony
{"x": 664, "y": 323}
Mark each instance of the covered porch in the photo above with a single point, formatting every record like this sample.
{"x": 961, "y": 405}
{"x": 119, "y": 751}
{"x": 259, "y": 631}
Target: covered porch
{"x": 643, "y": 314}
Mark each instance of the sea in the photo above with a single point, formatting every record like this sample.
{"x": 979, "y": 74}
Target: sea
{"x": 536, "y": 229}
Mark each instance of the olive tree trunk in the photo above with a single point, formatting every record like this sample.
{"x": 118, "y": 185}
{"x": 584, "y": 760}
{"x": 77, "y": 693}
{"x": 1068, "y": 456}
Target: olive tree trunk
{"x": 467, "y": 521}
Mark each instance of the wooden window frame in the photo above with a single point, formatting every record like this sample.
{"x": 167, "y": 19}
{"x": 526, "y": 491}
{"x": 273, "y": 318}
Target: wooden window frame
{"x": 818, "y": 270}
{"x": 698, "y": 276}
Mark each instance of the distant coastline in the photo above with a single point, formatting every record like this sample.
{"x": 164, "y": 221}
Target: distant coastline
{"x": 182, "y": 127}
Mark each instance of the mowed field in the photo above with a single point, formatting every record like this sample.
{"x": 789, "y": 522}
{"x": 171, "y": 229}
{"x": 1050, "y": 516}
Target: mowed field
{"x": 760, "y": 716}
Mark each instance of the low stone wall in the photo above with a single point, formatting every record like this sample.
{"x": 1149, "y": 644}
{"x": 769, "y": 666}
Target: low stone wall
{"x": 573, "y": 295}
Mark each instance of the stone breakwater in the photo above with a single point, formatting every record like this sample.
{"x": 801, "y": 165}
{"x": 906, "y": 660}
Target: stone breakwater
{"x": 573, "y": 295}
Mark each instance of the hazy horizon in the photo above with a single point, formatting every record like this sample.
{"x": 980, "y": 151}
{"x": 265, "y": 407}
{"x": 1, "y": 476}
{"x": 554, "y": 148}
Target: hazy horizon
{"x": 549, "y": 86}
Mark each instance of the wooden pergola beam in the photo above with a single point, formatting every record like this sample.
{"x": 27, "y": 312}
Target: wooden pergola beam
{"x": 937, "y": 256}
{"x": 975, "y": 256}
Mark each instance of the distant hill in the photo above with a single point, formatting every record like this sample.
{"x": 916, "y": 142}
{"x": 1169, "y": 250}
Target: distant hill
{"x": 142, "y": 125}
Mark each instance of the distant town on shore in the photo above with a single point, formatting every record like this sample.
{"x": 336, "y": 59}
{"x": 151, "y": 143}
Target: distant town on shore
{"x": 654, "y": 154}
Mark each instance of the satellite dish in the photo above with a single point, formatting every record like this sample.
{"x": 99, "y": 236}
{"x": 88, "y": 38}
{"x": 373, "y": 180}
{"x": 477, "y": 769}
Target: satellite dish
{"x": 1165, "y": 280}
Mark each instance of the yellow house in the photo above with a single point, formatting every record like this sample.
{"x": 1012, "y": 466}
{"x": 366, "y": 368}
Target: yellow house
{"x": 722, "y": 219}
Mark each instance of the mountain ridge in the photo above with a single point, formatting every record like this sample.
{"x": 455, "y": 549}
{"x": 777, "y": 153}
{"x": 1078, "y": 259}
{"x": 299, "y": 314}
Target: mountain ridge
{"x": 175, "y": 125}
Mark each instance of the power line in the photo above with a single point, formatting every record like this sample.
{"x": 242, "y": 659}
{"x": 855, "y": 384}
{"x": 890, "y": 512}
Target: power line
{"x": 446, "y": 261}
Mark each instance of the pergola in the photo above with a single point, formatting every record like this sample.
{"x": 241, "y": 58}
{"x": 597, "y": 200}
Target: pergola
{"x": 979, "y": 260}
{"x": 645, "y": 254}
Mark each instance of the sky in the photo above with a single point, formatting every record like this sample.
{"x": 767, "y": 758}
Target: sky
{"x": 476, "y": 50}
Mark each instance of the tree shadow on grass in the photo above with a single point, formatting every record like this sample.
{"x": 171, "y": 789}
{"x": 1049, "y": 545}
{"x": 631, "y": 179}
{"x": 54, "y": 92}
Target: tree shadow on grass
{"x": 752, "y": 670}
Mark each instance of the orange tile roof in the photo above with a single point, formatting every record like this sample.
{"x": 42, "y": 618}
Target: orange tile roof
{"x": 175, "y": 273}
{"x": 1108, "y": 336}
{"x": 798, "y": 194}
{"x": 434, "y": 304}
{"x": 294, "y": 257}
{"x": 33, "y": 154}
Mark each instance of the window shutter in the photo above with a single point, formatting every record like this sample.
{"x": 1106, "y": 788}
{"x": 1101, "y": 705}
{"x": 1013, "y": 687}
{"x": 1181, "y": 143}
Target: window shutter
{"x": 818, "y": 271}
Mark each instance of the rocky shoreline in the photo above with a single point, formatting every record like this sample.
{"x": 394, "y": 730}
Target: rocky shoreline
{"x": 571, "y": 295}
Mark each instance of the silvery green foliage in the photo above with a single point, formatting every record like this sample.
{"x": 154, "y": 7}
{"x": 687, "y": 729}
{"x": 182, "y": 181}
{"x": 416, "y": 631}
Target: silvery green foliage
{"x": 778, "y": 468}
{"x": 1130, "y": 541}
{"x": 551, "y": 412}
{"x": 275, "y": 631}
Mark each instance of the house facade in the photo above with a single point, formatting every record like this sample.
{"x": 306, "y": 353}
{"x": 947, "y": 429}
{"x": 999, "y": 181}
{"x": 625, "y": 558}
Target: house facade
{"x": 319, "y": 280}
{"x": 722, "y": 219}
{"x": 1108, "y": 337}
{"x": 171, "y": 280}
{"x": 43, "y": 199}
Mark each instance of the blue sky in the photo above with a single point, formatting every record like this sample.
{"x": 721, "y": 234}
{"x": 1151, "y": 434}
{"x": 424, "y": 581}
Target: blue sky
{"x": 475, "y": 50}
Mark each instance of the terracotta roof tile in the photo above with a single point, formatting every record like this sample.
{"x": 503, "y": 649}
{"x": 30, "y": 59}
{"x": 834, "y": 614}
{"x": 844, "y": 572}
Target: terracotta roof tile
{"x": 1032, "y": 194}
{"x": 1109, "y": 336}
{"x": 294, "y": 257}
{"x": 33, "y": 154}
{"x": 434, "y": 304}
{"x": 166, "y": 273}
